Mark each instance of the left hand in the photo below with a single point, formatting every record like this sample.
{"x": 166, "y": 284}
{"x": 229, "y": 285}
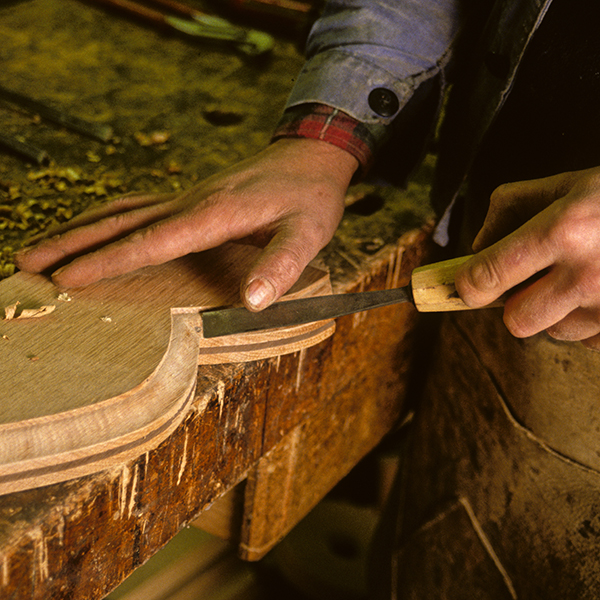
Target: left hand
{"x": 288, "y": 199}
{"x": 559, "y": 233}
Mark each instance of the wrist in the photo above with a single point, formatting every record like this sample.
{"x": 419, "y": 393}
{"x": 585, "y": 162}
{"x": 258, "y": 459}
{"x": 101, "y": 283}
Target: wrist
{"x": 318, "y": 156}
{"x": 330, "y": 125}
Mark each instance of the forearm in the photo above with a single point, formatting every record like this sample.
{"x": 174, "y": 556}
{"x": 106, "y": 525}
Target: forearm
{"x": 365, "y": 61}
{"x": 361, "y": 45}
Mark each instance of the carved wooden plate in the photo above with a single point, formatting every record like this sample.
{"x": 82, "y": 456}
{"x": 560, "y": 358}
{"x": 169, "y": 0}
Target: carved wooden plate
{"x": 111, "y": 371}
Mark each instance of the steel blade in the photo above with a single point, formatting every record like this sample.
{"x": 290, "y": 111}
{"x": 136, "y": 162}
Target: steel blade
{"x": 229, "y": 321}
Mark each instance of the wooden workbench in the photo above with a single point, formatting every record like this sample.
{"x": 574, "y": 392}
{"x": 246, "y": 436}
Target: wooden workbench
{"x": 280, "y": 432}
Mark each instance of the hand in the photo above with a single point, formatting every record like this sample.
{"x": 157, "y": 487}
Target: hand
{"x": 289, "y": 199}
{"x": 559, "y": 240}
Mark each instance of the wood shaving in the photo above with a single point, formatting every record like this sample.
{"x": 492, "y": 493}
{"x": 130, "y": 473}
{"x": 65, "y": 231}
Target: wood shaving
{"x": 9, "y": 311}
{"x": 34, "y": 313}
{"x": 64, "y": 297}
{"x": 92, "y": 156}
{"x": 156, "y": 138}
{"x": 28, "y": 313}
{"x": 106, "y": 319}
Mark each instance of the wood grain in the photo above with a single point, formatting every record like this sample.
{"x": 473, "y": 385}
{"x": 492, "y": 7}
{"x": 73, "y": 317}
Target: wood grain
{"x": 111, "y": 371}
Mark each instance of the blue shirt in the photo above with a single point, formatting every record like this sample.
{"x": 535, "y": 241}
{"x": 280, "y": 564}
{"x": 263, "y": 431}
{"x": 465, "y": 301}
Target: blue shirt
{"x": 360, "y": 45}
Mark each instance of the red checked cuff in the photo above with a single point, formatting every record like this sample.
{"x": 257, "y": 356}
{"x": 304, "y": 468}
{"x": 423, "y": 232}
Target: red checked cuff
{"x": 322, "y": 122}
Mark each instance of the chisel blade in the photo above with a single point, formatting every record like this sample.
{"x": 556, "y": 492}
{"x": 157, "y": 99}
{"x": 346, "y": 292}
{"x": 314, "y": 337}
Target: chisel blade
{"x": 229, "y": 321}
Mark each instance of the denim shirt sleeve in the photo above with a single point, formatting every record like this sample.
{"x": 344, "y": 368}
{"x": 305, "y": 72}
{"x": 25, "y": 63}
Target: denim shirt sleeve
{"x": 358, "y": 46}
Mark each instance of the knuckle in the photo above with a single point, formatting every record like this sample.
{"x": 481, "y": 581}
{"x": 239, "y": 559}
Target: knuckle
{"x": 501, "y": 192}
{"x": 485, "y": 275}
{"x": 574, "y": 229}
{"x": 137, "y": 237}
{"x": 137, "y": 250}
{"x": 118, "y": 221}
{"x": 479, "y": 283}
{"x": 282, "y": 268}
{"x": 122, "y": 201}
{"x": 292, "y": 262}
{"x": 585, "y": 286}
{"x": 316, "y": 232}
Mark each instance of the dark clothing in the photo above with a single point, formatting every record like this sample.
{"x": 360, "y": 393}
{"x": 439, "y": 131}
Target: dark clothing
{"x": 550, "y": 122}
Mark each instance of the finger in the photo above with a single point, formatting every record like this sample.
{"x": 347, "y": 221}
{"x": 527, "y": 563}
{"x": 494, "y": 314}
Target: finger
{"x": 512, "y": 204}
{"x": 281, "y": 264}
{"x": 579, "y": 324}
{"x": 592, "y": 343}
{"x": 87, "y": 237}
{"x": 160, "y": 242}
{"x": 96, "y": 213}
{"x": 543, "y": 305}
{"x": 499, "y": 268}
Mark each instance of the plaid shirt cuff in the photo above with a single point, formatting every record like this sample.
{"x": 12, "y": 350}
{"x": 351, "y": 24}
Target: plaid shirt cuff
{"x": 322, "y": 122}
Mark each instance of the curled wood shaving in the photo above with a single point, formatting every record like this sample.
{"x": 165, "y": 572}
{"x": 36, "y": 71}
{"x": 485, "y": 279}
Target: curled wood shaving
{"x": 9, "y": 311}
{"x": 27, "y": 313}
{"x": 34, "y": 313}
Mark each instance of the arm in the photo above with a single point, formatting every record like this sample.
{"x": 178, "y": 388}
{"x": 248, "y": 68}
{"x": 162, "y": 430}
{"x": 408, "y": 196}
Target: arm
{"x": 558, "y": 241}
{"x": 361, "y": 46}
{"x": 289, "y": 197}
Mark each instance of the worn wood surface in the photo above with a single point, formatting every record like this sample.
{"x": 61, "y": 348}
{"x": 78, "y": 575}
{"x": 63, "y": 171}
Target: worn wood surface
{"x": 79, "y": 539}
{"x": 353, "y": 407}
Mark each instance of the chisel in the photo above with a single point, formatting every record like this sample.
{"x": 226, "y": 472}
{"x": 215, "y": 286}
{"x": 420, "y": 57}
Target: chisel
{"x": 431, "y": 289}
{"x": 196, "y": 24}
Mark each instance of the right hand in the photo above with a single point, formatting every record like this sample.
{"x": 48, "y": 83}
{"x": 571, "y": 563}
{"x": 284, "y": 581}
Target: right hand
{"x": 546, "y": 231}
{"x": 289, "y": 199}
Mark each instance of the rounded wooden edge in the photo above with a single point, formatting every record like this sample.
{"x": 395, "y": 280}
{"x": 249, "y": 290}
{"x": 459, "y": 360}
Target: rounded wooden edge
{"x": 265, "y": 344}
{"x": 155, "y": 408}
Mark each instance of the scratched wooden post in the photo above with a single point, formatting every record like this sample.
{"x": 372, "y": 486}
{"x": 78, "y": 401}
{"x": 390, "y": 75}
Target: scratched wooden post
{"x": 312, "y": 440}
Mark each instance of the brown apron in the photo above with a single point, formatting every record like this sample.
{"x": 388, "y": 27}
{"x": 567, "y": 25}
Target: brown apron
{"x": 500, "y": 493}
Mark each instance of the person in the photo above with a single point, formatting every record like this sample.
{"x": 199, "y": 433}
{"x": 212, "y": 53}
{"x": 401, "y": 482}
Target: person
{"x": 291, "y": 194}
{"x": 298, "y": 184}
{"x": 367, "y": 60}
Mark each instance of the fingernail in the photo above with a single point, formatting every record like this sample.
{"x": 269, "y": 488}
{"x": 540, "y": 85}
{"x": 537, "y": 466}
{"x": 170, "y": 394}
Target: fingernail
{"x": 260, "y": 293}
{"x": 58, "y": 272}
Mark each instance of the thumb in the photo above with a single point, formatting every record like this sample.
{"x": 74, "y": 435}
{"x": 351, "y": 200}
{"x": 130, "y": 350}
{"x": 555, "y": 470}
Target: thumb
{"x": 277, "y": 268}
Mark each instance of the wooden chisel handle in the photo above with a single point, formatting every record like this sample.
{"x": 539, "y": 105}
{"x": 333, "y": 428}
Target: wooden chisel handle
{"x": 137, "y": 10}
{"x": 433, "y": 287}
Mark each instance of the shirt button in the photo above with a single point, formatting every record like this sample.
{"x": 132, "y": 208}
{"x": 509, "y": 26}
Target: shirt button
{"x": 384, "y": 102}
